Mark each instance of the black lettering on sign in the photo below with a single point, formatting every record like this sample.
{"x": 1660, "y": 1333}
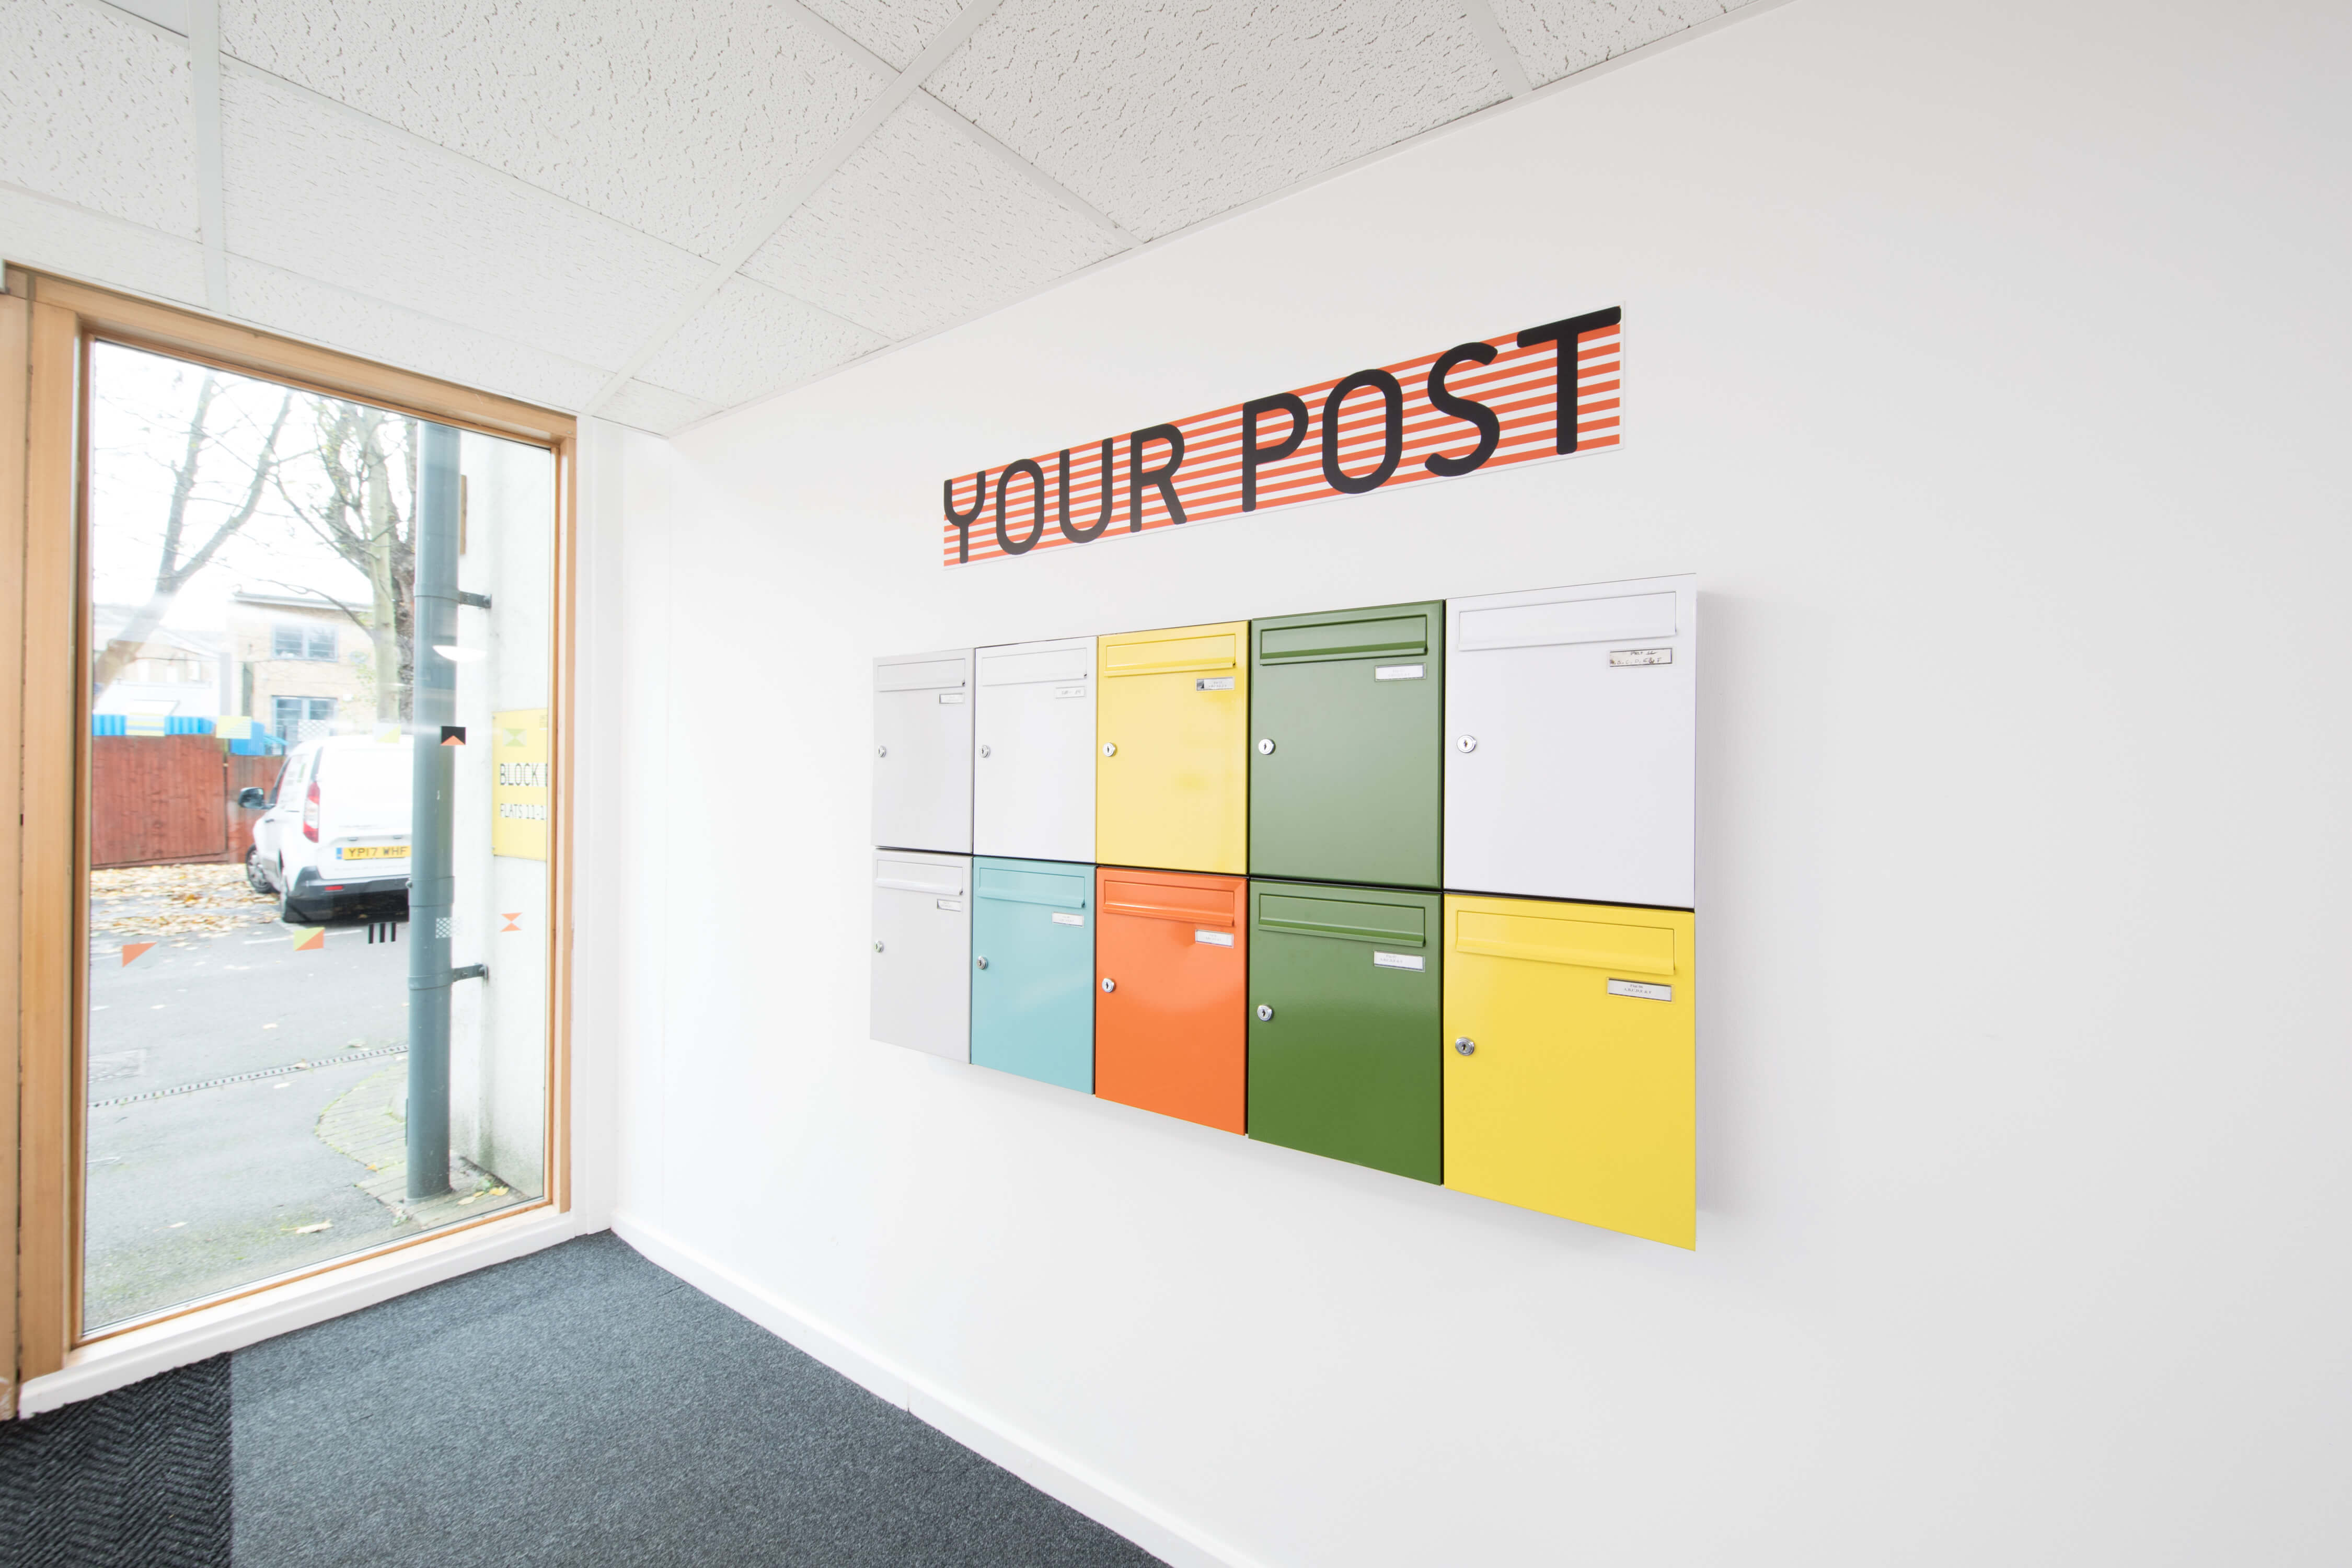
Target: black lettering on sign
{"x": 1393, "y": 432}
{"x": 964, "y": 519}
{"x": 1253, "y": 454}
{"x": 1490, "y": 428}
{"x": 1037, "y": 499}
{"x": 1102, "y": 518}
{"x": 1162, "y": 477}
{"x": 1567, "y": 374}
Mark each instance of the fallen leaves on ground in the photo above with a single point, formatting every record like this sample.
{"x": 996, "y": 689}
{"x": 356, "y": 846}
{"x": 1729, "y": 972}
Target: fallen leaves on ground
{"x": 176, "y": 901}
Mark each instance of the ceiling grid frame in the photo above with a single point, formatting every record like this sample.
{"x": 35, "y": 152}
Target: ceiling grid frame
{"x": 537, "y": 354}
{"x": 902, "y": 87}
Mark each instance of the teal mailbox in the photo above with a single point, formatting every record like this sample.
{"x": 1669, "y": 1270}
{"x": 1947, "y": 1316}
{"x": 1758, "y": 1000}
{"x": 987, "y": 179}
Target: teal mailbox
{"x": 1033, "y": 963}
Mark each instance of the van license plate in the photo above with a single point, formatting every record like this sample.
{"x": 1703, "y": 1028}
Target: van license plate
{"x": 373, "y": 852}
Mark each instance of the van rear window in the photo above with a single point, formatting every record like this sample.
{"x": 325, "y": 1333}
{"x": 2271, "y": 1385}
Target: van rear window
{"x": 370, "y": 770}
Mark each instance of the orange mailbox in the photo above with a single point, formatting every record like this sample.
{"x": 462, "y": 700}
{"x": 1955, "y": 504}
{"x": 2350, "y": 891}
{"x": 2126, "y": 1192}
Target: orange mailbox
{"x": 1172, "y": 967}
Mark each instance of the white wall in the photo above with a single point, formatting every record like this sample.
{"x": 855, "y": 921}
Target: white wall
{"x": 1990, "y": 364}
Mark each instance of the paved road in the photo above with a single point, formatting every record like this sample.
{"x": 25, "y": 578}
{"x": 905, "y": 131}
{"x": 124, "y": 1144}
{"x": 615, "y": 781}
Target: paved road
{"x": 194, "y": 1193}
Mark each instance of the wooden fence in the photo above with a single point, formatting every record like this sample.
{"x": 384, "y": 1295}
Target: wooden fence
{"x": 160, "y": 800}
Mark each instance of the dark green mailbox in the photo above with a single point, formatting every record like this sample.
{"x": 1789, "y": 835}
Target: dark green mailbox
{"x": 1346, "y": 720}
{"x": 1345, "y": 1058}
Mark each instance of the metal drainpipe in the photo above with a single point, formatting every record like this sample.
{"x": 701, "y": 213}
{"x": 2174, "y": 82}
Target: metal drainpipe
{"x": 431, "y": 886}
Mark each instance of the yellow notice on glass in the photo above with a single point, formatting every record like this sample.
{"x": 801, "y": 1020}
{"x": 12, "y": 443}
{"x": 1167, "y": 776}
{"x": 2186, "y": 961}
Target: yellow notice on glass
{"x": 520, "y": 783}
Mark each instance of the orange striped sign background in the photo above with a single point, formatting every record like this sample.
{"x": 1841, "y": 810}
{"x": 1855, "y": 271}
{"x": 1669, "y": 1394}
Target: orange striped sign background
{"x": 1521, "y": 384}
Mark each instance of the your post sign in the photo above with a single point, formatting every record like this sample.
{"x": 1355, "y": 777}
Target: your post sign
{"x": 1547, "y": 391}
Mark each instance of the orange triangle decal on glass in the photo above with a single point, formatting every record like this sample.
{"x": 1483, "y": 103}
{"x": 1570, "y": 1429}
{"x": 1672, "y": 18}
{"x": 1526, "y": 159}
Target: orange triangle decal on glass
{"x": 132, "y": 950}
{"x": 311, "y": 941}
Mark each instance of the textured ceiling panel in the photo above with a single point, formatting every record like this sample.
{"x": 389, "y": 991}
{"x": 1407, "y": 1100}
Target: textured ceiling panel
{"x": 750, "y": 340}
{"x": 94, "y": 109}
{"x": 305, "y": 308}
{"x": 675, "y": 119}
{"x": 654, "y": 409}
{"x": 922, "y": 227}
{"x": 1162, "y": 117}
{"x": 58, "y": 237}
{"x": 895, "y": 29}
{"x": 1554, "y": 37}
{"x": 330, "y": 194}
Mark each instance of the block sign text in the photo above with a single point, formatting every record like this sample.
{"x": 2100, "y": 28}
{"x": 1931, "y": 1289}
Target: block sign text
{"x": 1546, "y": 391}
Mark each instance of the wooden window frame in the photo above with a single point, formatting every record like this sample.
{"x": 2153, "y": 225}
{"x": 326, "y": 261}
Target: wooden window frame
{"x": 47, "y": 325}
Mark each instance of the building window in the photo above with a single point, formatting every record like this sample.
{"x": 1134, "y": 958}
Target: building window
{"x": 297, "y": 639}
{"x": 299, "y": 718}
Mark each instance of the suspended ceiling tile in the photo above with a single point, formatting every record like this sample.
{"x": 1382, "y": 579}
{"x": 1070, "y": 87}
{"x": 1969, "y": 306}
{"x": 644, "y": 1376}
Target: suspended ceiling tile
{"x": 94, "y": 111}
{"x": 1163, "y": 117}
{"x": 643, "y": 407}
{"x": 58, "y": 236}
{"x": 895, "y": 29}
{"x": 305, "y": 308}
{"x": 327, "y": 193}
{"x": 1556, "y": 38}
{"x": 922, "y": 227}
{"x": 674, "y": 119}
{"x": 750, "y": 339}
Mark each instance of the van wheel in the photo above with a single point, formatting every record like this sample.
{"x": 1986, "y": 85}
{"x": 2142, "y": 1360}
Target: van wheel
{"x": 255, "y": 877}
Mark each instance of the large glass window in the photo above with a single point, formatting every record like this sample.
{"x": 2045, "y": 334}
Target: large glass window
{"x": 320, "y": 664}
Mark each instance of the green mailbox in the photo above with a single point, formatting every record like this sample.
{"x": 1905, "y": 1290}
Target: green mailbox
{"x": 1345, "y": 1058}
{"x": 1347, "y": 721}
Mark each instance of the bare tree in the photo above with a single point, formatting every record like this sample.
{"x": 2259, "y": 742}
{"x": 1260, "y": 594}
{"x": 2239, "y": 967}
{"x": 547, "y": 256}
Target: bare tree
{"x": 361, "y": 451}
{"x": 173, "y": 569}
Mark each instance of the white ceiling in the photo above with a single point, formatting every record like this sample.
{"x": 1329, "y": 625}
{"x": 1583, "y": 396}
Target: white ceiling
{"x": 655, "y": 212}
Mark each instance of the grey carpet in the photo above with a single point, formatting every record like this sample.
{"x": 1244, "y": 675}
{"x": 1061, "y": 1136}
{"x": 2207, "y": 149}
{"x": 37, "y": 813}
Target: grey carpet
{"x": 135, "y": 1478}
{"x": 583, "y": 1407}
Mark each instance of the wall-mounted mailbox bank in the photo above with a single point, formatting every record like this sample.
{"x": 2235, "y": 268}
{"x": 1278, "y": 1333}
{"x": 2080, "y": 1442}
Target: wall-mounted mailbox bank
{"x": 1345, "y": 764}
{"x": 1172, "y": 767}
{"x": 1171, "y": 957}
{"x": 921, "y": 994}
{"x": 1569, "y": 1077}
{"x": 1033, "y": 770}
{"x": 1343, "y": 1023}
{"x": 1570, "y": 756}
{"x": 1033, "y": 964}
{"x": 922, "y": 752}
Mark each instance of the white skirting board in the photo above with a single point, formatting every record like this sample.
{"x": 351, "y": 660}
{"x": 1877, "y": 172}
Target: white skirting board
{"x": 116, "y": 1362}
{"x": 1105, "y": 1502}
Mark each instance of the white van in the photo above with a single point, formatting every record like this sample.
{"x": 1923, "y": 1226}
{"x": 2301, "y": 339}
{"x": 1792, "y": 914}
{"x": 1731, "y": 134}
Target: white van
{"x": 332, "y": 837}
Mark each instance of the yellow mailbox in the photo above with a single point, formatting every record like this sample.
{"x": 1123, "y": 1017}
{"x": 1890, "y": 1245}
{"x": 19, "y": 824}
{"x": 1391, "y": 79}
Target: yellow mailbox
{"x": 1171, "y": 764}
{"x": 1570, "y": 1052}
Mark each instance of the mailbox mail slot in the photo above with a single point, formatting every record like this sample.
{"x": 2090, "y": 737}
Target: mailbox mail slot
{"x": 922, "y": 938}
{"x": 1345, "y": 717}
{"x": 922, "y": 752}
{"x": 1571, "y": 767}
{"x": 1578, "y": 1097}
{"x": 1034, "y": 755}
{"x": 1171, "y": 768}
{"x": 1171, "y": 957}
{"x": 1033, "y": 1009}
{"x": 1343, "y": 1024}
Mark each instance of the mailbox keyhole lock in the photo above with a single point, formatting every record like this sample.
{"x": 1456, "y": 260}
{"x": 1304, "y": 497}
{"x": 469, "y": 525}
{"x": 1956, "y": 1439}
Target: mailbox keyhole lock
{"x": 881, "y": 751}
{"x": 877, "y": 947}
{"x": 1265, "y": 748}
{"x": 1110, "y": 750}
{"x": 980, "y": 963}
{"x": 1465, "y": 1044}
{"x": 983, "y": 750}
{"x": 1465, "y": 744}
{"x": 1109, "y": 985}
{"x": 1264, "y": 1014}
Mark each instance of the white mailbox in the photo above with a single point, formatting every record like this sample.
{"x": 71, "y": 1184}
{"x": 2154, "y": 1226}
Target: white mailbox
{"x": 1033, "y": 767}
{"x": 921, "y": 994}
{"x": 1572, "y": 742}
{"x": 922, "y": 752}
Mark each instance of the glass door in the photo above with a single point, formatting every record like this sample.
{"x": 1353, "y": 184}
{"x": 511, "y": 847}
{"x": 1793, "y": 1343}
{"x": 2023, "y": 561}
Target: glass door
{"x": 319, "y": 798}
